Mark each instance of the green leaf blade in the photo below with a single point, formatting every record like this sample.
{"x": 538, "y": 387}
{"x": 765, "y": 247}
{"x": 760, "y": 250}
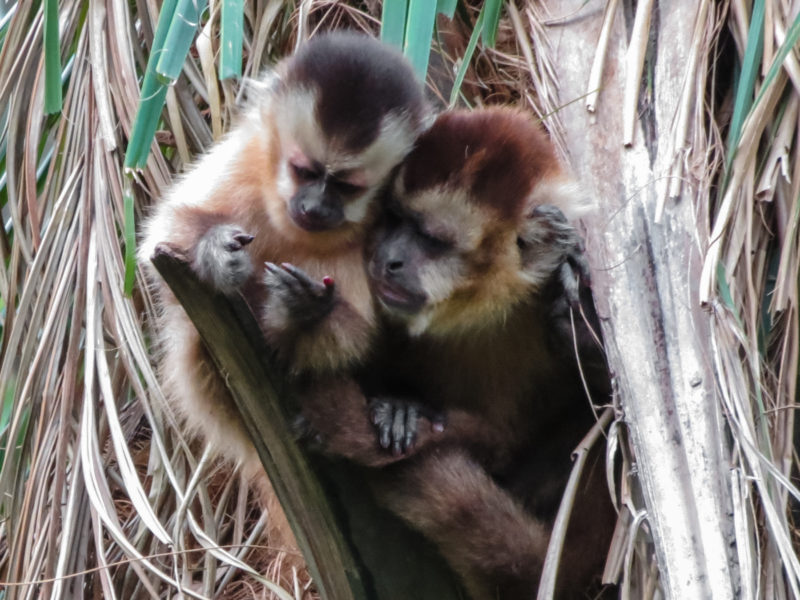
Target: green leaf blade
{"x": 52, "y": 59}
{"x": 446, "y": 7}
{"x": 130, "y": 240}
{"x": 231, "y": 35}
{"x": 152, "y": 97}
{"x": 792, "y": 36}
{"x": 467, "y": 58}
{"x": 747, "y": 80}
{"x": 393, "y": 22}
{"x": 180, "y": 36}
{"x": 491, "y": 21}
{"x": 419, "y": 33}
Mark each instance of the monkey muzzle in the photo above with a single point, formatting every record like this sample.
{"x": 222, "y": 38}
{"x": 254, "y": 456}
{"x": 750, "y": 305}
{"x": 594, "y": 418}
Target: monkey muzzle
{"x": 398, "y": 299}
{"x": 315, "y": 208}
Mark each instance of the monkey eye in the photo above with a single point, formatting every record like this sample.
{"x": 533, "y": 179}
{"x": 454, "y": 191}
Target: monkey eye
{"x": 346, "y": 188}
{"x": 433, "y": 242}
{"x": 303, "y": 173}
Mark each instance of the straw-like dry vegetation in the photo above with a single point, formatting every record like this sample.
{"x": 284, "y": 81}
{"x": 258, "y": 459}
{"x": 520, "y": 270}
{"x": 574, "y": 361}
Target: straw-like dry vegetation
{"x": 682, "y": 118}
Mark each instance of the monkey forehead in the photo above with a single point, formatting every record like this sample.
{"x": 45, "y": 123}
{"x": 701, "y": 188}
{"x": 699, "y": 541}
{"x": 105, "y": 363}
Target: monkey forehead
{"x": 452, "y": 215}
{"x": 296, "y": 120}
{"x": 357, "y": 82}
{"x": 499, "y": 154}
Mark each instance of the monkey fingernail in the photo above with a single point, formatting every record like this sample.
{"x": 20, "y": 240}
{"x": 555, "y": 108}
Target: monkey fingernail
{"x": 385, "y": 442}
{"x": 243, "y": 238}
{"x": 438, "y": 427}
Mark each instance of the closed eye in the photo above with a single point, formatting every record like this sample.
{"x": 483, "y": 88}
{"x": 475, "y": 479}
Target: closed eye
{"x": 433, "y": 242}
{"x": 348, "y": 189}
{"x": 303, "y": 173}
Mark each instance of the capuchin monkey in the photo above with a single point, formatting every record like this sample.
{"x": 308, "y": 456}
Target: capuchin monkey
{"x": 476, "y": 401}
{"x": 296, "y": 180}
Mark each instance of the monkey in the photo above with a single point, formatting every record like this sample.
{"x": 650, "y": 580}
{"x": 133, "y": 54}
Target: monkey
{"x": 296, "y": 181}
{"x": 476, "y": 407}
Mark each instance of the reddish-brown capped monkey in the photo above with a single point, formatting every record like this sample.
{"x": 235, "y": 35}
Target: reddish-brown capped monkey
{"x": 296, "y": 180}
{"x": 469, "y": 264}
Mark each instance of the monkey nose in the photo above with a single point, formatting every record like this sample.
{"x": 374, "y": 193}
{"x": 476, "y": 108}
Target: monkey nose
{"x": 393, "y": 266}
{"x": 314, "y": 217}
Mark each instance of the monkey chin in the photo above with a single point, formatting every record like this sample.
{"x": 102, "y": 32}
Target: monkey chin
{"x": 397, "y": 300}
{"x": 308, "y": 223}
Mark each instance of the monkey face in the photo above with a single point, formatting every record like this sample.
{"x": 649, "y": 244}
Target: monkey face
{"x": 323, "y": 200}
{"x": 440, "y": 261}
{"x": 416, "y": 262}
{"x": 327, "y": 186}
{"x": 347, "y": 110}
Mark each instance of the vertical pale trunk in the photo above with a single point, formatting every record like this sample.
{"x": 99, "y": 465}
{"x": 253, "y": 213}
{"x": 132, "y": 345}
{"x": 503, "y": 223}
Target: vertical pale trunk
{"x": 645, "y": 280}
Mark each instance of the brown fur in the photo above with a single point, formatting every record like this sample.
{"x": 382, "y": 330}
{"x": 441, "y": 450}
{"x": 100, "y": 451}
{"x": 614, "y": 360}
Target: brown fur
{"x": 498, "y": 155}
{"x": 514, "y": 406}
{"x": 243, "y": 183}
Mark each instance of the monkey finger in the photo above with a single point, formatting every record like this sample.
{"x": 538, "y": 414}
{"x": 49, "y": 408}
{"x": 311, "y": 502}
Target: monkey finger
{"x": 330, "y": 286}
{"x": 304, "y": 280}
{"x": 438, "y": 423}
{"x": 285, "y": 280}
{"x": 436, "y": 418}
{"x": 381, "y": 415}
{"x": 550, "y": 212}
{"x": 243, "y": 238}
{"x": 301, "y": 428}
{"x": 398, "y": 429}
{"x": 570, "y": 283}
{"x": 270, "y": 275}
{"x": 410, "y": 436}
{"x": 271, "y": 268}
{"x": 580, "y": 265}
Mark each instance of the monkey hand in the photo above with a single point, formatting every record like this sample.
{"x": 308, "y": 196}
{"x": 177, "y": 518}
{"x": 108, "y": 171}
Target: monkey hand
{"x": 398, "y": 423}
{"x": 220, "y": 257}
{"x": 561, "y": 237}
{"x": 296, "y": 296}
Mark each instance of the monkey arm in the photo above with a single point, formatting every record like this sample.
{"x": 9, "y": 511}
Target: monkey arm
{"x": 343, "y": 422}
{"x": 312, "y": 324}
{"x": 486, "y": 536}
{"x": 405, "y": 427}
{"x": 335, "y": 416}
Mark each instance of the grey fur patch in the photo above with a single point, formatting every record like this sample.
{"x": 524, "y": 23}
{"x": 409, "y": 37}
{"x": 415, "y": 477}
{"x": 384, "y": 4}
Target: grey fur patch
{"x": 222, "y": 260}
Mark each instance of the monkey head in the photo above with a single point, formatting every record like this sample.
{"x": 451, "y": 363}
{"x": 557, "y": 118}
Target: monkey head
{"x": 464, "y": 238}
{"x": 346, "y": 109}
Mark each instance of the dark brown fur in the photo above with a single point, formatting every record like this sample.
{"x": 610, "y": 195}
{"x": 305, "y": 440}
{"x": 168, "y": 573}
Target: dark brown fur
{"x": 495, "y": 157}
{"x": 490, "y": 359}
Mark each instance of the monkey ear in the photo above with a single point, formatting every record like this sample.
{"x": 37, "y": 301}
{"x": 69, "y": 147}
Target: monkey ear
{"x": 563, "y": 192}
{"x": 257, "y": 91}
{"x": 546, "y": 240}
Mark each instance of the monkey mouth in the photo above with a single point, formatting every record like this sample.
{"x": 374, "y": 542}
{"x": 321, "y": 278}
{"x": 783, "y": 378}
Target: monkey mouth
{"x": 396, "y": 298}
{"x": 308, "y": 222}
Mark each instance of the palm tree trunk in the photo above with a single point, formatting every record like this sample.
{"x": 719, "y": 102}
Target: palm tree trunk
{"x": 646, "y": 246}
